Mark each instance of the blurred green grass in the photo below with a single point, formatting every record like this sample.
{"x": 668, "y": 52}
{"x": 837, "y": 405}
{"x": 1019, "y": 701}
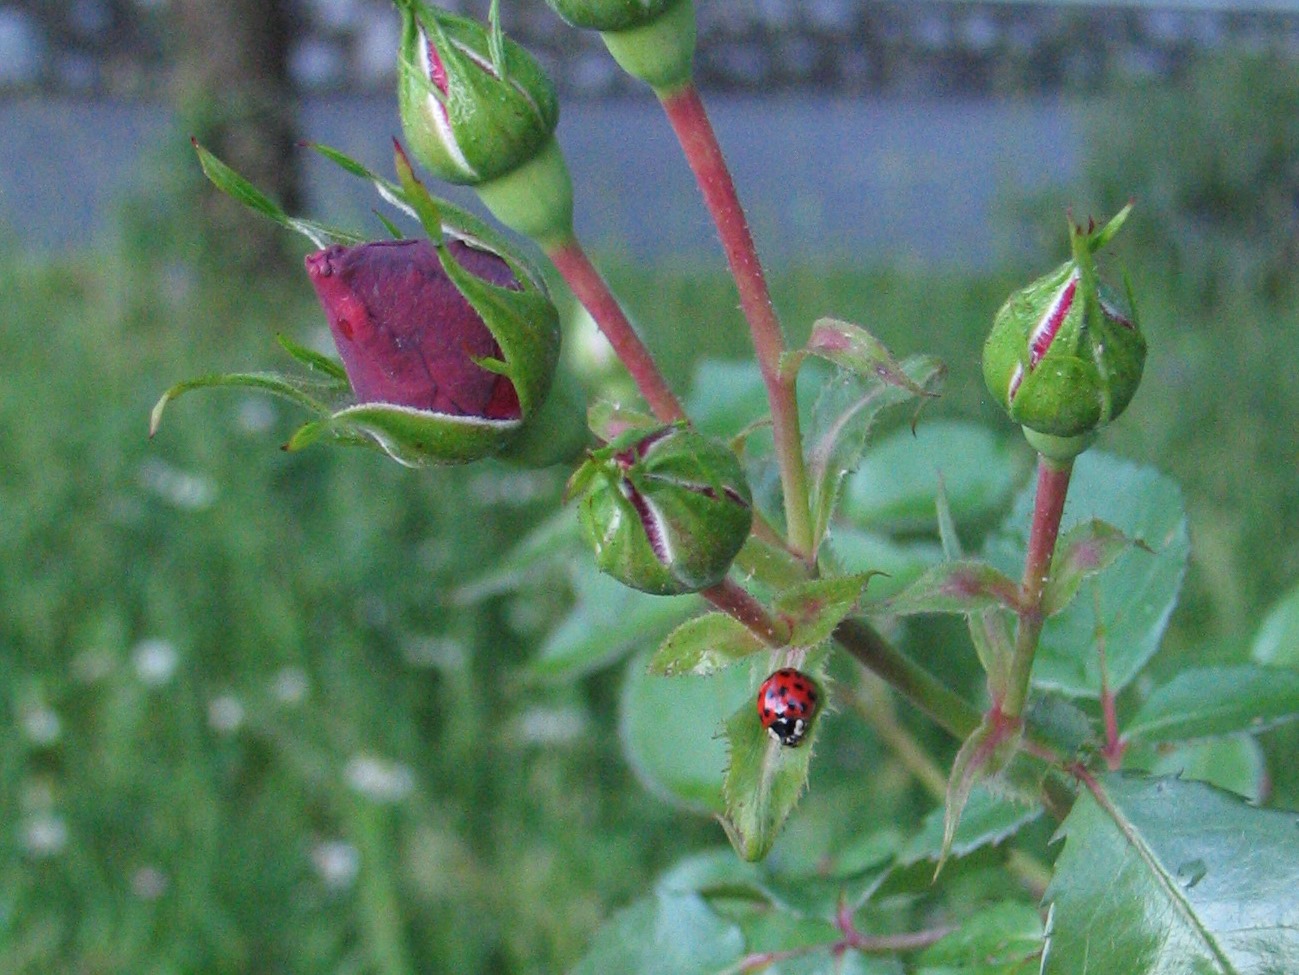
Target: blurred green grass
{"x": 250, "y": 729}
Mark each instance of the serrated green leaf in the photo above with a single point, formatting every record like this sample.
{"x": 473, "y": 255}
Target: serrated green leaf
{"x": 1080, "y": 553}
{"x": 305, "y": 393}
{"x": 240, "y": 189}
{"x": 764, "y": 781}
{"x": 1277, "y": 640}
{"x": 667, "y": 933}
{"x": 1004, "y": 939}
{"x": 773, "y": 566}
{"x": 704, "y": 645}
{"x": 1209, "y": 701}
{"x": 987, "y": 820}
{"x": 1235, "y": 763}
{"x": 844, "y": 413}
{"x": 608, "y": 620}
{"x": 1135, "y": 595}
{"x": 966, "y": 586}
{"x": 853, "y": 348}
{"x": 899, "y": 564}
{"x": 814, "y": 608}
{"x": 671, "y": 730}
{"x": 609, "y": 421}
{"x": 895, "y": 487}
{"x": 1164, "y": 877}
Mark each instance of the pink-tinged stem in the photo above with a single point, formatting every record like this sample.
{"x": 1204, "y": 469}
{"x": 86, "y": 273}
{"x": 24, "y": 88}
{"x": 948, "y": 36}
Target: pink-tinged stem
{"x": 591, "y": 290}
{"x": 685, "y": 111}
{"x": 1115, "y": 746}
{"x": 1048, "y": 509}
{"x": 739, "y": 603}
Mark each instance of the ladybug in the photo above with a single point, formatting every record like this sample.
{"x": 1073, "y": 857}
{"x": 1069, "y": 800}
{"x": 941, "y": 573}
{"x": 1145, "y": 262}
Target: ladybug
{"x": 787, "y": 702}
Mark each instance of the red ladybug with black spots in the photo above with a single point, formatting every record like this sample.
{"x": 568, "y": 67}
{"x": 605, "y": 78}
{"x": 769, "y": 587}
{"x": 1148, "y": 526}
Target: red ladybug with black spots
{"x": 787, "y": 702}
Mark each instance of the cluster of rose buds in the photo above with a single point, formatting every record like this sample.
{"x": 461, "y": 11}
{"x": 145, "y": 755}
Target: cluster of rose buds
{"x": 449, "y": 344}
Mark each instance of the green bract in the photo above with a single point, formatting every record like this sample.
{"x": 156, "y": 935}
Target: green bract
{"x": 474, "y": 105}
{"x": 448, "y": 343}
{"x": 665, "y": 510}
{"x": 652, "y": 40}
{"x": 1065, "y": 354}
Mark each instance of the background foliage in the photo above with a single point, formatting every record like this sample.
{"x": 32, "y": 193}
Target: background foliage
{"x": 259, "y": 724}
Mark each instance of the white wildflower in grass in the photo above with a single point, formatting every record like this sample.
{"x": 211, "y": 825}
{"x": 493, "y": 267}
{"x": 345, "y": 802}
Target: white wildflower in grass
{"x": 180, "y": 489}
{"x": 379, "y": 779}
{"x": 41, "y": 725}
{"x": 290, "y": 686}
{"x": 336, "y": 862}
{"x": 155, "y": 661}
{"x": 148, "y": 883}
{"x": 225, "y": 714}
{"x": 44, "y": 834}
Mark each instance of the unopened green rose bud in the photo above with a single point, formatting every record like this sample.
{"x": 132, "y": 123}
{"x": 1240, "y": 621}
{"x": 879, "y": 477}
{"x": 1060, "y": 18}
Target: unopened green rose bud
{"x": 666, "y": 510}
{"x": 653, "y": 40}
{"x": 1065, "y": 354}
{"x": 478, "y": 110}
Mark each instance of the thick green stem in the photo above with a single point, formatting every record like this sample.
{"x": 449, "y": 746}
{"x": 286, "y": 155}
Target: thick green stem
{"x": 591, "y": 290}
{"x": 685, "y": 110}
{"x": 948, "y": 709}
{"x": 1048, "y": 508}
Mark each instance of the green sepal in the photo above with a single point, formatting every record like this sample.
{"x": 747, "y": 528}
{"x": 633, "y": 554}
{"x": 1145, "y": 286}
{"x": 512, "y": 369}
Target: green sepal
{"x": 455, "y": 220}
{"x": 308, "y": 393}
{"x": 422, "y": 438}
{"x": 500, "y": 107}
{"x": 240, "y": 189}
{"x": 316, "y": 361}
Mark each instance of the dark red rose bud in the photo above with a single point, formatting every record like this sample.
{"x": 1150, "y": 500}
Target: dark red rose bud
{"x": 406, "y": 334}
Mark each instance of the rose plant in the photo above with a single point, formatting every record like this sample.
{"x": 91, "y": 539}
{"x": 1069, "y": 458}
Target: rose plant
{"x": 792, "y": 557}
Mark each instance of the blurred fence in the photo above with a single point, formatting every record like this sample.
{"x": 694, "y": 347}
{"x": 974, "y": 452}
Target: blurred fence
{"x": 120, "y": 47}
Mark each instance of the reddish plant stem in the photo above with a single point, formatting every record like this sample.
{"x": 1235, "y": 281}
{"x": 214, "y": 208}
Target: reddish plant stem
{"x": 1048, "y": 509}
{"x": 736, "y": 601}
{"x": 591, "y": 290}
{"x": 1114, "y": 744}
{"x": 685, "y": 111}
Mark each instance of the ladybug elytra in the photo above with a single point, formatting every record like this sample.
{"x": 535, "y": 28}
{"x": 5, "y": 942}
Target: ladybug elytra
{"x": 787, "y": 702}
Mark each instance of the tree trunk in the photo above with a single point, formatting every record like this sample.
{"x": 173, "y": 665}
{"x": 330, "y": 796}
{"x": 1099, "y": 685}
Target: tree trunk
{"x": 232, "y": 92}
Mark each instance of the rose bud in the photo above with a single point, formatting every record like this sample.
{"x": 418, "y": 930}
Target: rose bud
{"x": 666, "y": 510}
{"x": 448, "y": 348}
{"x": 1065, "y": 354}
{"x": 477, "y": 109}
{"x": 653, "y": 40}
